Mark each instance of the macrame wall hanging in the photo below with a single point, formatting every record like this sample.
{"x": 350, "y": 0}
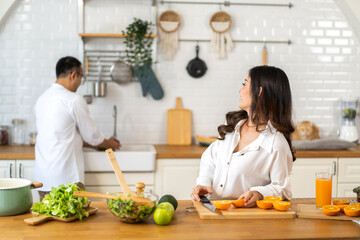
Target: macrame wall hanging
{"x": 169, "y": 22}
{"x": 220, "y": 23}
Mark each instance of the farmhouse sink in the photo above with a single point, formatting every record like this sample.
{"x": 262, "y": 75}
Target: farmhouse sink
{"x": 131, "y": 158}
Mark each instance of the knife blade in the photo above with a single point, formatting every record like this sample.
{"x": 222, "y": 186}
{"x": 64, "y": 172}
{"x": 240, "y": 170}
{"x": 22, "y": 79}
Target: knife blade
{"x": 206, "y": 202}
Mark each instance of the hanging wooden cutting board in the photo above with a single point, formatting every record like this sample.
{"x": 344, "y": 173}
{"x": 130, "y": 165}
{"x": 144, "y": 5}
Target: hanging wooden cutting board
{"x": 310, "y": 211}
{"x": 243, "y": 213}
{"x": 179, "y": 125}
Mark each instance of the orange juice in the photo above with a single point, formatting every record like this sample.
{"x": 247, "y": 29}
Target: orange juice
{"x": 323, "y": 191}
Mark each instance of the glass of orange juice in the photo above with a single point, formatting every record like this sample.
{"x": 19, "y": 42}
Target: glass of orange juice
{"x": 323, "y": 188}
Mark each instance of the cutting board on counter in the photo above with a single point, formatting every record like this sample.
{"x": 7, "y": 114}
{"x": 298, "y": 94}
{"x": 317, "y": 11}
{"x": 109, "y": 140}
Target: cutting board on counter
{"x": 179, "y": 125}
{"x": 43, "y": 218}
{"x": 310, "y": 211}
{"x": 243, "y": 213}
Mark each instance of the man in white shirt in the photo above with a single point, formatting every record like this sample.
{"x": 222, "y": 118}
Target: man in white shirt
{"x": 64, "y": 126}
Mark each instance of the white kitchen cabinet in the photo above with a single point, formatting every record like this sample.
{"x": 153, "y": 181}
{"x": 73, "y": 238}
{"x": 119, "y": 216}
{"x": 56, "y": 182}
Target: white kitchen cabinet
{"x": 19, "y": 169}
{"x": 176, "y": 177}
{"x": 349, "y": 176}
{"x": 106, "y": 182}
{"x": 303, "y": 175}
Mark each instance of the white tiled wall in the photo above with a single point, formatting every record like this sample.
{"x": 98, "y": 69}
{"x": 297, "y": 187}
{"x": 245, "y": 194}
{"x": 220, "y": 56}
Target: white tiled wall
{"x": 322, "y": 64}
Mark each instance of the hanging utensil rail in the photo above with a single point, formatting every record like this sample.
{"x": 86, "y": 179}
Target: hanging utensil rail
{"x": 240, "y": 41}
{"x": 228, "y": 4}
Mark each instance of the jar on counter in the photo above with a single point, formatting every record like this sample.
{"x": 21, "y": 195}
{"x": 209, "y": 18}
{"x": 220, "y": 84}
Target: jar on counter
{"x": 33, "y": 138}
{"x": 18, "y": 131}
{"x": 4, "y": 135}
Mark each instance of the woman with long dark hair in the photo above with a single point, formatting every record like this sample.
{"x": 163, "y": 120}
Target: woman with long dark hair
{"x": 253, "y": 155}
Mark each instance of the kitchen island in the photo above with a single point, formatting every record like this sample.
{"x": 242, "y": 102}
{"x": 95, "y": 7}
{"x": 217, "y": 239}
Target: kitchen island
{"x": 184, "y": 225}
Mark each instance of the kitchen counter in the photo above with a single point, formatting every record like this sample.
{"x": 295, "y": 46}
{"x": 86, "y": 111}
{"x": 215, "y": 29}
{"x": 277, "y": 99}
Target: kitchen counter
{"x": 184, "y": 225}
{"x": 171, "y": 151}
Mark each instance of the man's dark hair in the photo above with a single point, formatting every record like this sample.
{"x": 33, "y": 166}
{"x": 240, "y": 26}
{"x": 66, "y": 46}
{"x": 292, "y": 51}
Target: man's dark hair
{"x": 67, "y": 65}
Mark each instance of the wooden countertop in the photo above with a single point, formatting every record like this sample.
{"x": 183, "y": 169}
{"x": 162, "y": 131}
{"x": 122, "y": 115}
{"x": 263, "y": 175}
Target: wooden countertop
{"x": 184, "y": 225}
{"x": 171, "y": 151}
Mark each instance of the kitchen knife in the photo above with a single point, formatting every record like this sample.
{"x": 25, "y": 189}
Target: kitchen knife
{"x": 206, "y": 202}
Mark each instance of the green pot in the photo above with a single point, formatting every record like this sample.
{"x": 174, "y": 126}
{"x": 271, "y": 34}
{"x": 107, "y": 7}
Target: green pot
{"x": 15, "y": 195}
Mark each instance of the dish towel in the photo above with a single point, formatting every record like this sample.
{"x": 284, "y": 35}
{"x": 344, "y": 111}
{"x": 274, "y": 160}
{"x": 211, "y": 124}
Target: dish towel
{"x": 149, "y": 82}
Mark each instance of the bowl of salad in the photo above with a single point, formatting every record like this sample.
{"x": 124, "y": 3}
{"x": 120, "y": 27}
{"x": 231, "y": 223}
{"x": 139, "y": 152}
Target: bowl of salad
{"x": 130, "y": 211}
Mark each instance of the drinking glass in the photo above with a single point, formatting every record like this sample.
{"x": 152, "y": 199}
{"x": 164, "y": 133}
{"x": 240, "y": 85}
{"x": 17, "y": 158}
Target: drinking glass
{"x": 323, "y": 188}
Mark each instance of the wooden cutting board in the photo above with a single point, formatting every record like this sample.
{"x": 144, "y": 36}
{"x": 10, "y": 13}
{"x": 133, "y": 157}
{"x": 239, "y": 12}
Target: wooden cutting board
{"x": 179, "y": 125}
{"x": 243, "y": 213}
{"x": 43, "y": 218}
{"x": 310, "y": 211}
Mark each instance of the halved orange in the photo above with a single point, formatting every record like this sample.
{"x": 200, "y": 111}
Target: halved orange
{"x": 342, "y": 207}
{"x": 272, "y": 198}
{"x": 330, "y": 210}
{"x": 340, "y": 202}
{"x": 352, "y": 210}
{"x": 223, "y": 204}
{"x": 281, "y": 205}
{"x": 239, "y": 202}
{"x": 355, "y": 204}
{"x": 264, "y": 204}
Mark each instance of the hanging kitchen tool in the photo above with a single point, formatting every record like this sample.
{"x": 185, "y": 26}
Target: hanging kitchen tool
{"x": 220, "y": 23}
{"x": 121, "y": 73}
{"x": 264, "y": 56}
{"x": 169, "y": 22}
{"x": 100, "y": 85}
{"x": 87, "y": 96}
{"x": 196, "y": 67}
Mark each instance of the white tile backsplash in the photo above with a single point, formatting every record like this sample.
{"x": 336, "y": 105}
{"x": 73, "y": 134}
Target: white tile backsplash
{"x": 322, "y": 62}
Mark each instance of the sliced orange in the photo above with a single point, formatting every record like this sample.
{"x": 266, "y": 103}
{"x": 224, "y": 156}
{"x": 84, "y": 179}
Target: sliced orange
{"x": 238, "y": 203}
{"x": 340, "y": 202}
{"x": 355, "y": 204}
{"x": 330, "y": 210}
{"x": 272, "y": 198}
{"x": 342, "y": 207}
{"x": 281, "y": 205}
{"x": 223, "y": 204}
{"x": 352, "y": 210}
{"x": 264, "y": 204}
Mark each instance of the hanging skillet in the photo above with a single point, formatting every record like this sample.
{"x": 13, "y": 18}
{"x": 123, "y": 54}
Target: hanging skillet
{"x": 196, "y": 67}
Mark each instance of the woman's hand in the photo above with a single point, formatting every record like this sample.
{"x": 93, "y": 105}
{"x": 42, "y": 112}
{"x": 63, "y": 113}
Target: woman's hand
{"x": 200, "y": 190}
{"x": 250, "y": 198}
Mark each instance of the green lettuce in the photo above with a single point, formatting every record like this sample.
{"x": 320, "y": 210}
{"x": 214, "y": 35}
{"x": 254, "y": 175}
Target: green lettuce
{"x": 61, "y": 202}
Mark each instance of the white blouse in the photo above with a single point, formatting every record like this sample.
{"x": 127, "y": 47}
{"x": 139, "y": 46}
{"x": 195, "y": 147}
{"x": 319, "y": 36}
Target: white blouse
{"x": 264, "y": 166}
{"x": 62, "y": 123}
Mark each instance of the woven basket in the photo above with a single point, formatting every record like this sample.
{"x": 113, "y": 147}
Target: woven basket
{"x": 169, "y": 16}
{"x": 221, "y": 17}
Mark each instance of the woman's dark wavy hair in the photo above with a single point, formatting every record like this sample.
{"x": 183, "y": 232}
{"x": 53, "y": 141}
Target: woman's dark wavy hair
{"x": 273, "y": 104}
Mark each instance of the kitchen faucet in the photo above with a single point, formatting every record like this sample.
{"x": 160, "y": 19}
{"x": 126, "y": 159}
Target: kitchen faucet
{"x": 114, "y": 115}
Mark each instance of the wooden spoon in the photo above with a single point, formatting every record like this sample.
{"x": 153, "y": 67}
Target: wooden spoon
{"x": 120, "y": 177}
{"x": 138, "y": 200}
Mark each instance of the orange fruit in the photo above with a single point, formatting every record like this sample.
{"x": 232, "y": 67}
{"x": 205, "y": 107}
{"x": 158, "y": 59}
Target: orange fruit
{"x": 330, "y": 210}
{"x": 352, "y": 210}
{"x": 238, "y": 203}
{"x": 281, "y": 205}
{"x": 342, "y": 207}
{"x": 223, "y": 204}
{"x": 340, "y": 202}
{"x": 355, "y": 204}
{"x": 264, "y": 204}
{"x": 272, "y": 198}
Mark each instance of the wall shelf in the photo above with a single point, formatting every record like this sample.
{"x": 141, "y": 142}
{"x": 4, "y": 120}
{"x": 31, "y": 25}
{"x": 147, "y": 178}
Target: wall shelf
{"x": 108, "y": 35}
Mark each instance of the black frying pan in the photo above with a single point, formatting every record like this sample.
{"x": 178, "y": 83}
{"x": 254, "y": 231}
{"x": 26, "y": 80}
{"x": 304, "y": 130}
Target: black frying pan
{"x": 196, "y": 67}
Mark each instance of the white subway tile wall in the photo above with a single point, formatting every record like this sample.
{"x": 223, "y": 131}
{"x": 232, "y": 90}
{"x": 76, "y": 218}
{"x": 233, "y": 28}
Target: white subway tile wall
{"x": 322, "y": 62}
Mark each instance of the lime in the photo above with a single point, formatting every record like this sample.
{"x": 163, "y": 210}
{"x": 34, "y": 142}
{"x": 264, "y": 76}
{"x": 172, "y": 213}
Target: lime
{"x": 167, "y": 206}
{"x": 170, "y": 199}
{"x": 162, "y": 216}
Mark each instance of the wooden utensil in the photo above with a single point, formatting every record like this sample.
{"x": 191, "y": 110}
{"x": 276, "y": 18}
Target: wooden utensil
{"x": 310, "y": 211}
{"x": 264, "y": 56}
{"x": 120, "y": 177}
{"x": 179, "y": 125}
{"x": 243, "y": 213}
{"x": 138, "y": 200}
{"x": 43, "y": 218}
